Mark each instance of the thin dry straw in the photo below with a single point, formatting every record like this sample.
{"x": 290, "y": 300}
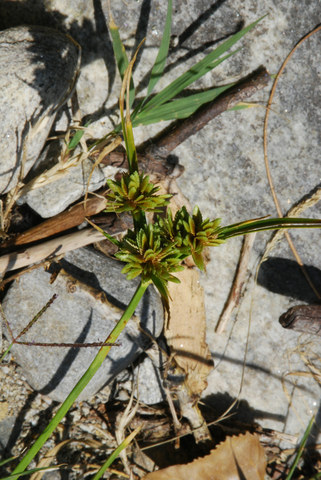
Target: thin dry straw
{"x": 266, "y": 162}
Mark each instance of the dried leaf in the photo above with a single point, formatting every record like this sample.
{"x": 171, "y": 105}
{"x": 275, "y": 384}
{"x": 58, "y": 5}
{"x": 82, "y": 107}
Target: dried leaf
{"x": 186, "y": 333}
{"x": 186, "y": 330}
{"x": 237, "y": 458}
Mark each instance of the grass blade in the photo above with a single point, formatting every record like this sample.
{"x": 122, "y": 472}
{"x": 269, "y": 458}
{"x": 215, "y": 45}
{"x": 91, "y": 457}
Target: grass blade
{"x": 301, "y": 449}
{"x": 75, "y": 140}
{"x": 116, "y": 453}
{"x": 198, "y": 70}
{"x": 261, "y": 224}
{"x": 120, "y": 56}
{"x": 31, "y": 471}
{"x": 158, "y": 68}
{"x": 118, "y": 47}
{"x": 6, "y": 460}
{"x": 179, "y": 108}
{"x": 126, "y": 120}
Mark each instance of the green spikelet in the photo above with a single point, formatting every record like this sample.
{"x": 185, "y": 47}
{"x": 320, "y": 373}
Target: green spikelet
{"x": 134, "y": 193}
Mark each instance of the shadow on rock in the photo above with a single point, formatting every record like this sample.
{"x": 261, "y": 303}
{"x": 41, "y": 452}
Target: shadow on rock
{"x": 283, "y": 276}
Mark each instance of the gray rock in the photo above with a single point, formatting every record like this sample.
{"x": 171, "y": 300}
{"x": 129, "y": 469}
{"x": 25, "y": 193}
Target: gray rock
{"x": 87, "y": 308}
{"x": 38, "y": 69}
{"x": 65, "y": 189}
{"x": 6, "y": 426}
{"x": 150, "y": 382}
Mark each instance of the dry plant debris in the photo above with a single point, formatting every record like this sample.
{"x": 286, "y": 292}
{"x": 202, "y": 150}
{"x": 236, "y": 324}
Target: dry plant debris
{"x": 238, "y": 457}
{"x": 186, "y": 330}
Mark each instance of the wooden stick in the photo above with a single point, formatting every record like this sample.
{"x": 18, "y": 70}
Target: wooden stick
{"x": 303, "y": 318}
{"x": 238, "y": 283}
{"x": 58, "y": 246}
{"x": 183, "y": 130}
{"x": 70, "y": 218}
{"x": 49, "y": 250}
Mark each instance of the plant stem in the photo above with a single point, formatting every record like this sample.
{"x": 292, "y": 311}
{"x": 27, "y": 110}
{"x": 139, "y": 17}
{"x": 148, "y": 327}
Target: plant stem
{"x": 301, "y": 448}
{"x": 96, "y": 363}
{"x": 116, "y": 453}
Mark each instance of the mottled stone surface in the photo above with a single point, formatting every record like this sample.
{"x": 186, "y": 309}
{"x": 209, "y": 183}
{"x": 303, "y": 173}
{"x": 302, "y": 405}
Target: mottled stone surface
{"x": 224, "y": 169}
{"x": 150, "y": 380}
{"x": 87, "y": 308}
{"x": 38, "y": 68}
{"x": 56, "y": 196}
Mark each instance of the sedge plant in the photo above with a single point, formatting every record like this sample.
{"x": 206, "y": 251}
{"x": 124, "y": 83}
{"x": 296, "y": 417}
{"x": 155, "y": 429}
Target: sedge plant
{"x": 155, "y": 251}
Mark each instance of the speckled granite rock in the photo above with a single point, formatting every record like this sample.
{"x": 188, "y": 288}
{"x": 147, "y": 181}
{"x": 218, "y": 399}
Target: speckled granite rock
{"x": 224, "y": 169}
{"x": 38, "y": 69}
{"x": 54, "y": 197}
{"x": 150, "y": 377}
{"x": 88, "y": 306}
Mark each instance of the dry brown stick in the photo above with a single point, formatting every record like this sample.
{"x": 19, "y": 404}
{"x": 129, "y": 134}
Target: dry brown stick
{"x": 242, "y": 90}
{"x": 49, "y": 249}
{"x": 19, "y": 273}
{"x": 72, "y": 217}
{"x": 238, "y": 283}
{"x": 303, "y": 318}
{"x": 169, "y": 140}
{"x": 148, "y": 164}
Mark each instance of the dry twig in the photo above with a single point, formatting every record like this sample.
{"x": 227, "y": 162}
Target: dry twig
{"x": 238, "y": 283}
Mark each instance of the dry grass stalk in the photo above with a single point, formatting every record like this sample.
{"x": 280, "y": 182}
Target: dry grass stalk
{"x": 238, "y": 283}
{"x": 48, "y": 250}
{"x": 266, "y": 162}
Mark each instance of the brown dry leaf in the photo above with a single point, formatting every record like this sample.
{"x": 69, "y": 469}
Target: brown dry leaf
{"x": 240, "y": 457}
{"x": 186, "y": 330}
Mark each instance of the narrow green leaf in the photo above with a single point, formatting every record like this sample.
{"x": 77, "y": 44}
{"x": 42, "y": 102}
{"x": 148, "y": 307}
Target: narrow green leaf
{"x": 301, "y": 448}
{"x": 76, "y": 138}
{"x": 158, "y": 68}
{"x": 131, "y": 148}
{"x": 126, "y": 121}
{"x": 179, "y": 108}
{"x": 244, "y": 105}
{"x": 118, "y": 47}
{"x": 30, "y": 472}
{"x": 7, "y": 460}
{"x": 198, "y": 259}
{"x": 258, "y": 225}
{"x": 162, "y": 288}
{"x": 172, "y": 90}
{"x": 116, "y": 453}
{"x": 110, "y": 238}
{"x": 198, "y": 70}
{"x": 121, "y": 56}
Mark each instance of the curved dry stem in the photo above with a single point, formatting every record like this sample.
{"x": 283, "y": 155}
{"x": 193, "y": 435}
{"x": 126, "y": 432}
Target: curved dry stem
{"x": 266, "y": 162}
